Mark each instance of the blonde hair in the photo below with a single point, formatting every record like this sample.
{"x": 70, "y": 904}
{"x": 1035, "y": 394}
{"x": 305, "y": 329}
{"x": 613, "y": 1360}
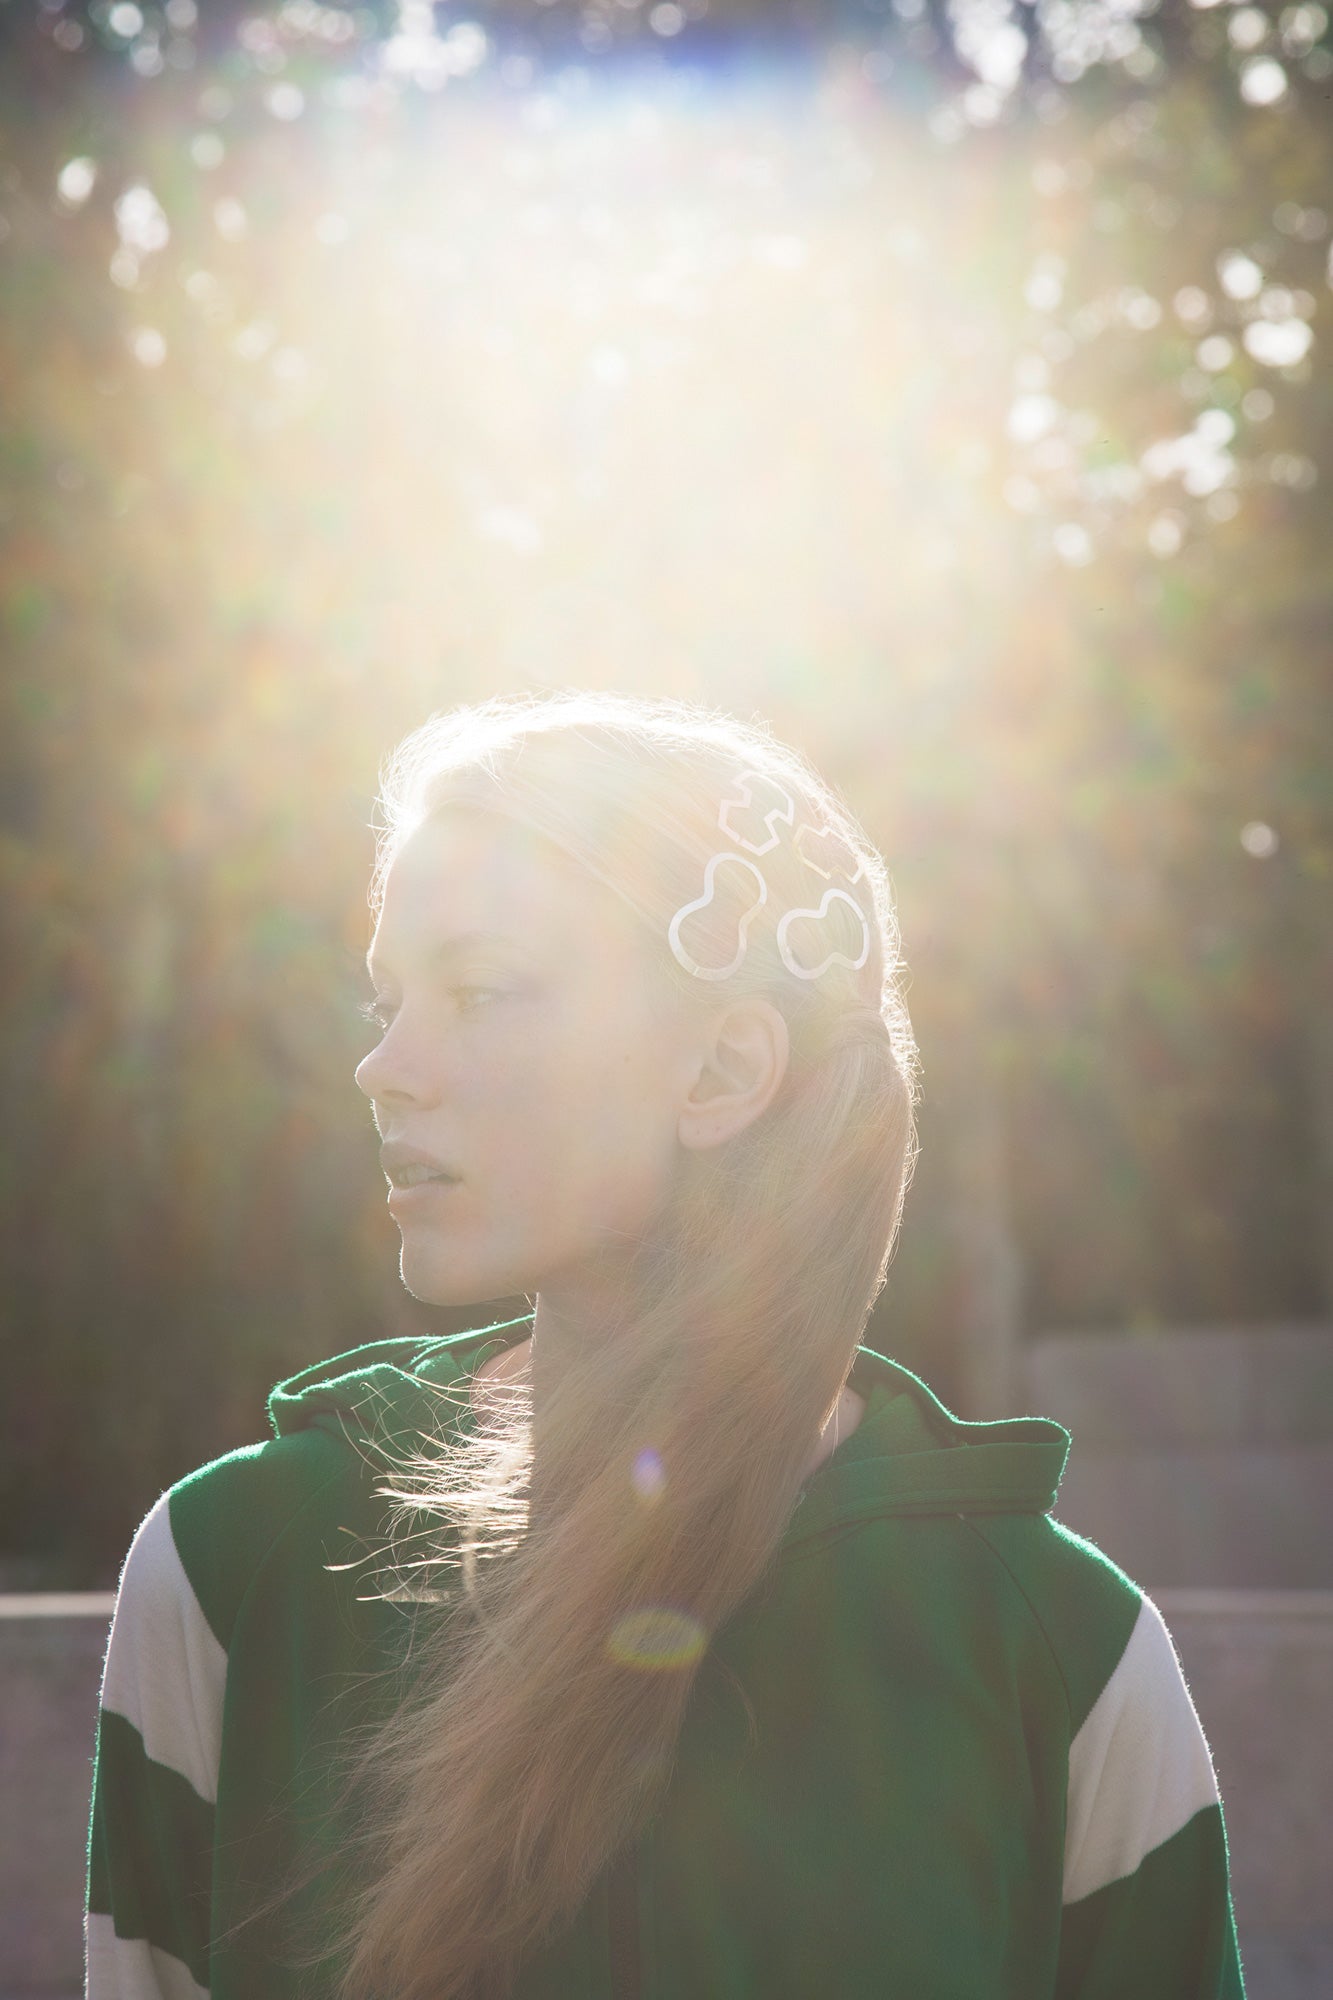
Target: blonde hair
{"x": 544, "y": 1717}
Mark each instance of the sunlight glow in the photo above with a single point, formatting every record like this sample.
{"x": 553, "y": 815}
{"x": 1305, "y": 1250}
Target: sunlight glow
{"x": 593, "y": 293}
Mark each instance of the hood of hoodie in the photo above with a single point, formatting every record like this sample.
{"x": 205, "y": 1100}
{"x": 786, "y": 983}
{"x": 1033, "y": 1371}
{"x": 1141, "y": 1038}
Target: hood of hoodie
{"x": 908, "y": 1455}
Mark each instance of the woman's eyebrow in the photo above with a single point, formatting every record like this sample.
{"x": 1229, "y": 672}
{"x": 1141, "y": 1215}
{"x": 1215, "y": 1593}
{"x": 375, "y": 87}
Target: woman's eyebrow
{"x": 445, "y": 951}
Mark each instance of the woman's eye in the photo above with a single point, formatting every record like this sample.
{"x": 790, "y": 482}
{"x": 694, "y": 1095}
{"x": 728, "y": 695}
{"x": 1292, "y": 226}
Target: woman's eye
{"x": 471, "y": 999}
{"x": 466, "y": 999}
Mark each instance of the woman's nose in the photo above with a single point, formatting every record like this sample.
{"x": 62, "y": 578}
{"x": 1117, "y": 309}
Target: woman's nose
{"x": 393, "y": 1070}
{"x": 366, "y": 1074}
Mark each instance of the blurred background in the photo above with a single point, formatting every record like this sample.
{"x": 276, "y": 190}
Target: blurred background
{"x": 945, "y": 383}
{"x": 943, "y": 380}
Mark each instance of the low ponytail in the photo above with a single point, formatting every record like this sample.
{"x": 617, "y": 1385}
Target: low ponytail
{"x": 663, "y": 1471}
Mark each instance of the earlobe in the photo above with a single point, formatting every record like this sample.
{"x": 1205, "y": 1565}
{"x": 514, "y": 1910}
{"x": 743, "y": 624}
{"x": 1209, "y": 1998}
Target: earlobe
{"x": 744, "y": 1063}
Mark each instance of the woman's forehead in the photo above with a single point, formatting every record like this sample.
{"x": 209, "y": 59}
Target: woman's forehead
{"x": 464, "y": 876}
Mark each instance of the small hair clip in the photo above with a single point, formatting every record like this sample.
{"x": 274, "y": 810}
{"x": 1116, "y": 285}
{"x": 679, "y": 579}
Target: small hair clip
{"x": 774, "y": 818}
{"x": 747, "y": 917}
{"x": 834, "y": 957}
{"x": 834, "y": 849}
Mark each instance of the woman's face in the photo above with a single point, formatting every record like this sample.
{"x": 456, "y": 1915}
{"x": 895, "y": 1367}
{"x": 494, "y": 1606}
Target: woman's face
{"x": 529, "y": 1080}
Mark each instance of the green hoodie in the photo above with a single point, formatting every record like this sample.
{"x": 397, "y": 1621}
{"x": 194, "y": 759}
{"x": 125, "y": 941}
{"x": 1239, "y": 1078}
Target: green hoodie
{"x": 944, "y": 1751}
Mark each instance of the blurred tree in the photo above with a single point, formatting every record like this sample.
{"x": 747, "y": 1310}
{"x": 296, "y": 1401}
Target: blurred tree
{"x": 939, "y": 382}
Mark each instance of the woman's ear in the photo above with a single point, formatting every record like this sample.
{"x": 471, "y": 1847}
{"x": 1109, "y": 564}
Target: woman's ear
{"x": 744, "y": 1063}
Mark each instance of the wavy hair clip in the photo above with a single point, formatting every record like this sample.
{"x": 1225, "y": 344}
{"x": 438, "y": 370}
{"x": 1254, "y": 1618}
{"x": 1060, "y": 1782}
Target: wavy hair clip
{"x": 831, "y": 958}
{"x": 747, "y": 917}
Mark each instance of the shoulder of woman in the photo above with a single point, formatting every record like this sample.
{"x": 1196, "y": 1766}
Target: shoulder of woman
{"x": 202, "y": 1544}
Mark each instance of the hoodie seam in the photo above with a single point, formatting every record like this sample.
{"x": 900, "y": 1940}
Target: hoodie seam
{"x": 1037, "y": 1619}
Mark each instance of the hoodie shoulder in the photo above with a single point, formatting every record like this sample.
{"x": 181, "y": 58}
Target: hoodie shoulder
{"x": 1085, "y": 1605}
{"x": 912, "y": 1456}
{"x": 228, "y": 1518}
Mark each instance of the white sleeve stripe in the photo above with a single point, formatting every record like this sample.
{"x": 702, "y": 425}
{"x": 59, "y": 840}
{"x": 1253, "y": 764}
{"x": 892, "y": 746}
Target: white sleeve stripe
{"x": 1139, "y": 1768}
{"x": 132, "y": 1969}
{"x": 165, "y": 1671}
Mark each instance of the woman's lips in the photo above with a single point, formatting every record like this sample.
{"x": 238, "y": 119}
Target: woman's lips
{"x": 410, "y": 1177}
{"x": 420, "y": 1194}
{"x": 407, "y": 1167}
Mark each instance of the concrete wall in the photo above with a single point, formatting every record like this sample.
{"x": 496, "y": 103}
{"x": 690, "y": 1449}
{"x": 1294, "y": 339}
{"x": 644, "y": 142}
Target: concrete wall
{"x": 1260, "y": 1665}
{"x": 50, "y": 1669}
{"x": 1200, "y": 1457}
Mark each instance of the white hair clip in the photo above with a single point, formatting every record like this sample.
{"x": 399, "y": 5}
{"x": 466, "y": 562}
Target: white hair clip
{"x": 846, "y": 861}
{"x": 685, "y": 958}
{"x": 788, "y": 957}
{"x": 774, "y": 818}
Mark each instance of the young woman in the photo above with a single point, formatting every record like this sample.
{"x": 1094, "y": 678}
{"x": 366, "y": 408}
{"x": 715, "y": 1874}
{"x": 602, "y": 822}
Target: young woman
{"x": 667, "y": 1643}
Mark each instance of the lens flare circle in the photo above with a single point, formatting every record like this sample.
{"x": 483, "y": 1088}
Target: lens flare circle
{"x": 657, "y": 1638}
{"x": 648, "y": 1475}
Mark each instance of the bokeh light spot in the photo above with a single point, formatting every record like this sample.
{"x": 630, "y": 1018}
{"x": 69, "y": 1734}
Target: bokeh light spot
{"x": 1045, "y": 288}
{"x": 253, "y": 342}
{"x": 1140, "y": 310}
{"x": 139, "y": 218}
{"x": 1165, "y": 535}
{"x": 286, "y": 101}
{"x": 75, "y": 181}
{"x": 207, "y": 150}
{"x": 230, "y": 219}
{"x": 1215, "y": 427}
{"x": 125, "y": 20}
{"x": 1247, "y": 28}
{"x": 1241, "y": 277}
{"x": 1193, "y": 306}
{"x": 1278, "y": 343}
{"x": 1293, "y": 469}
{"x": 1263, "y": 81}
{"x": 1302, "y": 26}
{"x": 1215, "y": 353}
{"x": 1031, "y": 417}
{"x": 1259, "y": 839}
{"x": 1022, "y": 495}
{"x": 148, "y": 347}
{"x": 1072, "y": 544}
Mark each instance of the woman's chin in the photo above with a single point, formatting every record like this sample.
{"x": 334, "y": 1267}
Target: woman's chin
{"x": 440, "y": 1281}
